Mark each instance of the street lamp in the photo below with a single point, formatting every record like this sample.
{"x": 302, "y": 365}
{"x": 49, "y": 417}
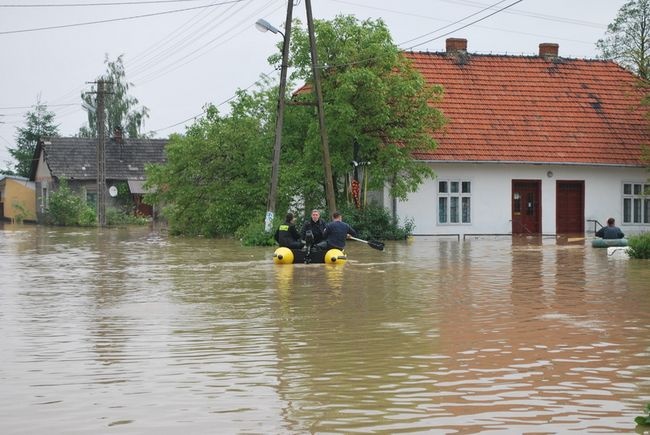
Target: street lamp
{"x": 263, "y": 25}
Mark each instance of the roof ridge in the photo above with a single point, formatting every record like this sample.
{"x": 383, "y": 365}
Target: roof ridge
{"x": 516, "y": 56}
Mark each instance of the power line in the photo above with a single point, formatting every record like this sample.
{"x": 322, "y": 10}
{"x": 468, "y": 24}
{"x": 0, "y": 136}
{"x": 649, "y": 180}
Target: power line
{"x": 467, "y": 25}
{"x": 173, "y": 46}
{"x": 184, "y": 60}
{"x": 66, "y": 5}
{"x": 34, "y": 105}
{"x": 425, "y": 42}
{"x": 454, "y": 23}
{"x": 534, "y": 15}
{"x": 217, "y": 105}
{"x": 88, "y": 23}
{"x": 69, "y": 110}
{"x": 482, "y": 5}
{"x": 159, "y": 46}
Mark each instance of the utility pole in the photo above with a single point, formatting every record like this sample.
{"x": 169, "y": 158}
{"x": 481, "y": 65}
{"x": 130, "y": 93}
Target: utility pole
{"x": 101, "y": 154}
{"x": 329, "y": 183}
{"x": 279, "y": 122}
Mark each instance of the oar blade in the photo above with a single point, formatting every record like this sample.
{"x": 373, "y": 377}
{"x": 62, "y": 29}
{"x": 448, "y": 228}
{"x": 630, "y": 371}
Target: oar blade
{"x": 375, "y": 244}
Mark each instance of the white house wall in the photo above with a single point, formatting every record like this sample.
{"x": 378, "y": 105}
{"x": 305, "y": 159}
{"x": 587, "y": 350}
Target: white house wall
{"x": 491, "y": 185}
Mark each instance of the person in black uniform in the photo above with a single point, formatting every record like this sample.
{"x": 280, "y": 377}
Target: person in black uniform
{"x": 287, "y": 235}
{"x": 313, "y": 229}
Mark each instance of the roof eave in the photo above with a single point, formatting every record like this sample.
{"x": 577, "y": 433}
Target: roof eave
{"x": 523, "y": 162}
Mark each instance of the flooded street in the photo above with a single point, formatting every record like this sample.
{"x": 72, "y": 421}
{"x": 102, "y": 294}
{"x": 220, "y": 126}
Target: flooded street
{"x": 129, "y": 331}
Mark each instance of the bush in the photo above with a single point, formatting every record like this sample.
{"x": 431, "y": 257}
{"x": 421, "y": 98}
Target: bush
{"x": 21, "y": 212}
{"x": 253, "y": 234}
{"x": 87, "y": 216}
{"x": 644, "y": 420}
{"x": 375, "y": 222}
{"x": 639, "y": 246}
{"x": 64, "y": 206}
{"x": 119, "y": 217}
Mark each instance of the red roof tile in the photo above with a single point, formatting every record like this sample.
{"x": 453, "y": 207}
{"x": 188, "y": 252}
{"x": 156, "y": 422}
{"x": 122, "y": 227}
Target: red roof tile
{"x": 534, "y": 109}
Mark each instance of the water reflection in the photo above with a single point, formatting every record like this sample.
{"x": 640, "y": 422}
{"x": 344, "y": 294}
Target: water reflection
{"x": 132, "y": 330}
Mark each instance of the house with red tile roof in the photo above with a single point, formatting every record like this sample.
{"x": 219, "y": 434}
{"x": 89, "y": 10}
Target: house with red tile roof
{"x": 533, "y": 145}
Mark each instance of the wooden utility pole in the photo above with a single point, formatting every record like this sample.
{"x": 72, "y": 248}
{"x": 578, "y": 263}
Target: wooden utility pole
{"x": 279, "y": 122}
{"x": 327, "y": 165}
{"x": 101, "y": 154}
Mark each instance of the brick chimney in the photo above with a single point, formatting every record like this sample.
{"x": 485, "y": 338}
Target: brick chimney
{"x": 456, "y": 45}
{"x": 547, "y": 49}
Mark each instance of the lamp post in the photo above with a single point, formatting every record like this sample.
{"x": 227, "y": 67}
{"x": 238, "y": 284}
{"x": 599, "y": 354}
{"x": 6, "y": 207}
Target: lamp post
{"x": 263, "y": 25}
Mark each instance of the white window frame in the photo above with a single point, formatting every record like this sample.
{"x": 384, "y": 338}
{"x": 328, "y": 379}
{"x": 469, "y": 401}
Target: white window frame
{"x": 636, "y": 203}
{"x": 462, "y": 194}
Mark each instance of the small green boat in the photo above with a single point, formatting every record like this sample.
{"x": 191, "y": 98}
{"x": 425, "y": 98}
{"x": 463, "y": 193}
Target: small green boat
{"x": 606, "y": 243}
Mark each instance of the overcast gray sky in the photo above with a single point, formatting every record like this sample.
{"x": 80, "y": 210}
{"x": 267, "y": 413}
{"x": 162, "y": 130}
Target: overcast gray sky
{"x": 179, "y": 61}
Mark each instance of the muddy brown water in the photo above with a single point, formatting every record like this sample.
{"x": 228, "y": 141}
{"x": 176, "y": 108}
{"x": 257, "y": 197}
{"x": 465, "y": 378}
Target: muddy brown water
{"x": 129, "y": 331}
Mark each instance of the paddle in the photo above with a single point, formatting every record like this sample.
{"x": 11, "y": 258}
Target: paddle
{"x": 374, "y": 244}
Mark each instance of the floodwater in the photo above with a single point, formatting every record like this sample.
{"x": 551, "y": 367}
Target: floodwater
{"x": 129, "y": 331}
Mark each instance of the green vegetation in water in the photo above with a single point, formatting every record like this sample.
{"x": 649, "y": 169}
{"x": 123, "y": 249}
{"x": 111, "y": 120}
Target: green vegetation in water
{"x": 120, "y": 217}
{"x": 66, "y": 208}
{"x": 20, "y": 211}
{"x": 254, "y": 235}
{"x": 639, "y": 246}
{"x": 375, "y": 222}
{"x": 644, "y": 420}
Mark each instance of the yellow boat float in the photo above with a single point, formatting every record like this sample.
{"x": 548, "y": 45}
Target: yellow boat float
{"x": 295, "y": 256}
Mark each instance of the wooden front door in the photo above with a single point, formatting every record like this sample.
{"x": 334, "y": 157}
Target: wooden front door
{"x": 526, "y": 207}
{"x": 569, "y": 207}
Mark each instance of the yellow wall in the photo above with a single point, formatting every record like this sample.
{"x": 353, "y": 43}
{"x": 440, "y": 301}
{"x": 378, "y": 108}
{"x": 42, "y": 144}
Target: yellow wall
{"x": 17, "y": 195}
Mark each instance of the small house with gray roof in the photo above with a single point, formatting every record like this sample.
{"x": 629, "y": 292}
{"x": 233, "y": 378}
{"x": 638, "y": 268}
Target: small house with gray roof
{"x": 74, "y": 159}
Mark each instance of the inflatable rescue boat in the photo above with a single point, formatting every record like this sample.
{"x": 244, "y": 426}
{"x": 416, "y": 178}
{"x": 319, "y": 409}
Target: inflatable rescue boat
{"x": 296, "y": 256}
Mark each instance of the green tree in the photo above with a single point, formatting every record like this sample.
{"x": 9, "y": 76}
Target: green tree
{"x": 371, "y": 94}
{"x": 627, "y": 40}
{"x": 215, "y": 181}
{"x": 216, "y": 176}
{"x": 39, "y": 122}
{"x": 122, "y": 109}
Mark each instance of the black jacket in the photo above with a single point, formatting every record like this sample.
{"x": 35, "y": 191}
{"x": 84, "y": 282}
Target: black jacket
{"x": 286, "y": 235}
{"x": 317, "y": 229}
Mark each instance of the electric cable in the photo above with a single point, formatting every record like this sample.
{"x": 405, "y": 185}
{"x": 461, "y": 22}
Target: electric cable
{"x": 111, "y": 20}
{"x": 175, "y": 46}
{"x": 467, "y": 25}
{"x": 67, "y": 5}
{"x": 162, "y": 46}
{"x": 206, "y": 49}
{"x": 216, "y": 105}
